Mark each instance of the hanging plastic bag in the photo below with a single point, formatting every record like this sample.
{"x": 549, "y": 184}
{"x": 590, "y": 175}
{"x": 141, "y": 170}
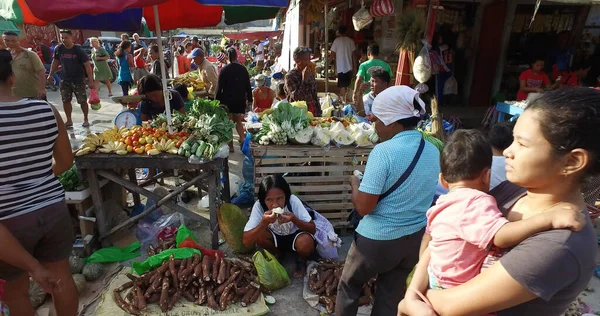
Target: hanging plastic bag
{"x": 422, "y": 68}
{"x": 362, "y": 18}
{"x": 271, "y": 274}
{"x": 451, "y": 86}
{"x": 381, "y": 8}
{"x": 94, "y": 98}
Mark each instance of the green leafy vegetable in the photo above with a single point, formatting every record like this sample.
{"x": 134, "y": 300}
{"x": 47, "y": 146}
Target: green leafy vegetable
{"x": 70, "y": 180}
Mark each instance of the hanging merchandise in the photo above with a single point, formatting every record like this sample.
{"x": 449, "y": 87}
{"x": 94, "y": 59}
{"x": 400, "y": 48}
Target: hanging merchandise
{"x": 451, "y": 86}
{"x": 381, "y": 8}
{"x": 362, "y": 18}
{"x": 422, "y": 68}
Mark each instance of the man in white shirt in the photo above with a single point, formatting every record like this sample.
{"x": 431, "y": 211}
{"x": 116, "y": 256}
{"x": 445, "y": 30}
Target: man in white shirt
{"x": 260, "y": 55}
{"x": 500, "y": 137}
{"x": 343, "y": 50}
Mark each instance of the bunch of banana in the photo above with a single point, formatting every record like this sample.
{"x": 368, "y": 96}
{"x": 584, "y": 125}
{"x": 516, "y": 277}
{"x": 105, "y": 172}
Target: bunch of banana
{"x": 84, "y": 151}
{"x": 112, "y": 146}
{"x": 93, "y": 141}
{"x": 114, "y": 133}
{"x": 168, "y": 146}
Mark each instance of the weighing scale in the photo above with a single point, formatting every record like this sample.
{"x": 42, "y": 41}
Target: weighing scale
{"x": 129, "y": 116}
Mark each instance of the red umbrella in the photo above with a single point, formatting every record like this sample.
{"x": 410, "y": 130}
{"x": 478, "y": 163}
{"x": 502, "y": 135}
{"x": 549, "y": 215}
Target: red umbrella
{"x": 183, "y": 13}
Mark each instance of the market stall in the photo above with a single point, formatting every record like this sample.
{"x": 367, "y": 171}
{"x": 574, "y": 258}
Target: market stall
{"x": 102, "y": 166}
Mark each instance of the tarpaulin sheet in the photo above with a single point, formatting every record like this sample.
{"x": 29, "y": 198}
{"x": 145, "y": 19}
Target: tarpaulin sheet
{"x": 243, "y": 14}
{"x": 183, "y": 13}
{"x": 56, "y": 10}
{"x": 128, "y": 20}
{"x": 18, "y": 11}
{"x": 253, "y": 36}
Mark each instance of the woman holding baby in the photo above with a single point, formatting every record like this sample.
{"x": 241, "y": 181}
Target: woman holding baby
{"x": 555, "y": 149}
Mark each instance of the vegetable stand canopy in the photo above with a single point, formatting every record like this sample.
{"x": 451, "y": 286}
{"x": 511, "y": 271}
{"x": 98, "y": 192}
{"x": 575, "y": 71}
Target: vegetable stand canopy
{"x": 125, "y": 15}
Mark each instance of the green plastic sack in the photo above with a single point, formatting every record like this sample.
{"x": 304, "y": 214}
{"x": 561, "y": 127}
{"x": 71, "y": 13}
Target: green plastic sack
{"x": 231, "y": 224}
{"x": 182, "y": 233}
{"x": 271, "y": 274}
{"x": 157, "y": 260}
{"x": 115, "y": 254}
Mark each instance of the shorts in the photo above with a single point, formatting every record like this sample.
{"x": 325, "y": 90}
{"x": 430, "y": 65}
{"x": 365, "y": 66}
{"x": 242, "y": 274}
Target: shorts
{"x": 68, "y": 88}
{"x": 138, "y": 73}
{"x": 47, "y": 234}
{"x": 344, "y": 79}
{"x": 288, "y": 242}
{"x": 236, "y": 109}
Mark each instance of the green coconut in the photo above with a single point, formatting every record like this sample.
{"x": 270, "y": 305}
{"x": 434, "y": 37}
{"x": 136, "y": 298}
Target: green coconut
{"x": 76, "y": 263}
{"x": 93, "y": 271}
{"x": 231, "y": 224}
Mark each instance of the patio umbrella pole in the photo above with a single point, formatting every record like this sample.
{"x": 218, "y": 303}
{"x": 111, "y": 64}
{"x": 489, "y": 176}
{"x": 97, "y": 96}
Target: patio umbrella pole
{"x": 326, "y": 49}
{"x": 163, "y": 71}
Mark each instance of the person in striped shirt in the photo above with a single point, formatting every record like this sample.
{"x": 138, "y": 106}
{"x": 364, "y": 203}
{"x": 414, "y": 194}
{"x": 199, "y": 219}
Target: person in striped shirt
{"x": 36, "y": 233}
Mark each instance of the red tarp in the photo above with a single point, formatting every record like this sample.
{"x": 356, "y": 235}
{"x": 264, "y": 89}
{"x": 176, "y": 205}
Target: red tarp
{"x": 253, "y": 36}
{"x": 63, "y": 9}
{"x": 183, "y": 13}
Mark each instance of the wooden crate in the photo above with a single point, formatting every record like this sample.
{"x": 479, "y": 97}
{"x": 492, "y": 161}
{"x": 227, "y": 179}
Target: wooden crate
{"x": 320, "y": 177}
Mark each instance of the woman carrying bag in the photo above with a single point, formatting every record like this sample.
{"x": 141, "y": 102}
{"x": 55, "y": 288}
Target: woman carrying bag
{"x": 397, "y": 189}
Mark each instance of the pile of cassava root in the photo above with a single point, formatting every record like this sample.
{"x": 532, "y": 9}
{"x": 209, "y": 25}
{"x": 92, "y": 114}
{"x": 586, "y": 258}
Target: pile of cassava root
{"x": 215, "y": 281}
{"x": 324, "y": 278}
{"x": 161, "y": 246}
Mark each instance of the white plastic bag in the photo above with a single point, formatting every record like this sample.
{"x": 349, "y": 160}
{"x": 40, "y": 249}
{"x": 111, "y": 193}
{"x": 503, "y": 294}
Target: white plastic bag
{"x": 451, "y": 86}
{"x": 362, "y": 18}
{"x": 422, "y": 68}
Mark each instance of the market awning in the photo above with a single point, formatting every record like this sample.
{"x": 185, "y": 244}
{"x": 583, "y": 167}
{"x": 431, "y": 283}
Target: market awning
{"x": 18, "y": 11}
{"x": 253, "y": 36}
{"x": 243, "y": 14}
{"x": 128, "y": 20}
{"x": 184, "y": 13}
{"x": 9, "y": 26}
{"x": 65, "y": 9}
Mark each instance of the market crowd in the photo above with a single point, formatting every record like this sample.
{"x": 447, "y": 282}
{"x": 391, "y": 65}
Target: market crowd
{"x": 509, "y": 234}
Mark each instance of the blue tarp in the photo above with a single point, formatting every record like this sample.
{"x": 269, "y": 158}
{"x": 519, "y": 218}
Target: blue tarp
{"x": 128, "y": 20}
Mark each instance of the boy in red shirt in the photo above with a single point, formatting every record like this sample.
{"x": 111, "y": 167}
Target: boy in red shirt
{"x": 534, "y": 80}
{"x": 578, "y": 71}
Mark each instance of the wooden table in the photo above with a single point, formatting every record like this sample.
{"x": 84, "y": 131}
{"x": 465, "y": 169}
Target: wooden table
{"x": 207, "y": 176}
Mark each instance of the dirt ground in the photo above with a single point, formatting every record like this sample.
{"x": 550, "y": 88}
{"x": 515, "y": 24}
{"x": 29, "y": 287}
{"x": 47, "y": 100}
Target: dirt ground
{"x": 289, "y": 299}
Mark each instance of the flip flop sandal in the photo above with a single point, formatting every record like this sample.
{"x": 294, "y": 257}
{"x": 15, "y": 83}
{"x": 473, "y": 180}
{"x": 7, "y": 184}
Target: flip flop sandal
{"x": 86, "y": 124}
{"x": 69, "y": 125}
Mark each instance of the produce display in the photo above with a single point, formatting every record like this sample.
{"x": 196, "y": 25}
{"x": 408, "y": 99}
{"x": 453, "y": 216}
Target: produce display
{"x": 161, "y": 246}
{"x": 191, "y": 79}
{"x": 138, "y": 139}
{"x": 199, "y": 133}
{"x": 215, "y": 281}
{"x": 324, "y": 278}
{"x": 70, "y": 180}
{"x": 292, "y": 123}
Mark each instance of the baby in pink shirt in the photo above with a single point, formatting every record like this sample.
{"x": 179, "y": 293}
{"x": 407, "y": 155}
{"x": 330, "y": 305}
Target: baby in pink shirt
{"x": 466, "y": 222}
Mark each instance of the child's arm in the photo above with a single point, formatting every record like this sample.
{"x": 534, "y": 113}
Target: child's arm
{"x": 558, "y": 217}
{"x": 420, "y": 279}
{"x": 424, "y": 243}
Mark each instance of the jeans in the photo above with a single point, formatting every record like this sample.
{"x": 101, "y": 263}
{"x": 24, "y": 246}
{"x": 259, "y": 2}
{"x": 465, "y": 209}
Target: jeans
{"x": 125, "y": 86}
{"x": 55, "y": 76}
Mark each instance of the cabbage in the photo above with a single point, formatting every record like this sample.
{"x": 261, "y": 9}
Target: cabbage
{"x": 300, "y": 104}
{"x": 337, "y": 127}
{"x": 361, "y": 138}
{"x": 303, "y": 137}
{"x": 342, "y": 138}
{"x": 320, "y": 137}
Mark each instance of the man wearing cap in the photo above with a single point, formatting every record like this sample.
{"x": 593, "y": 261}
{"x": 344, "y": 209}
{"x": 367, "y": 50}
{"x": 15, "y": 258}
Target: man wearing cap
{"x": 300, "y": 83}
{"x": 395, "y": 192}
{"x": 207, "y": 70}
{"x": 75, "y": 68}
{"x": 259, "y": 58}
{"x": 30, "y": 74}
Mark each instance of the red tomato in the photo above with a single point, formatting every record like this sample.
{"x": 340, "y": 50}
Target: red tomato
{"x": 179, "y": 143}
{"x": 139, "y": 150}
{"x": 181, "y": 134}
{"x": 136, "y": 143}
